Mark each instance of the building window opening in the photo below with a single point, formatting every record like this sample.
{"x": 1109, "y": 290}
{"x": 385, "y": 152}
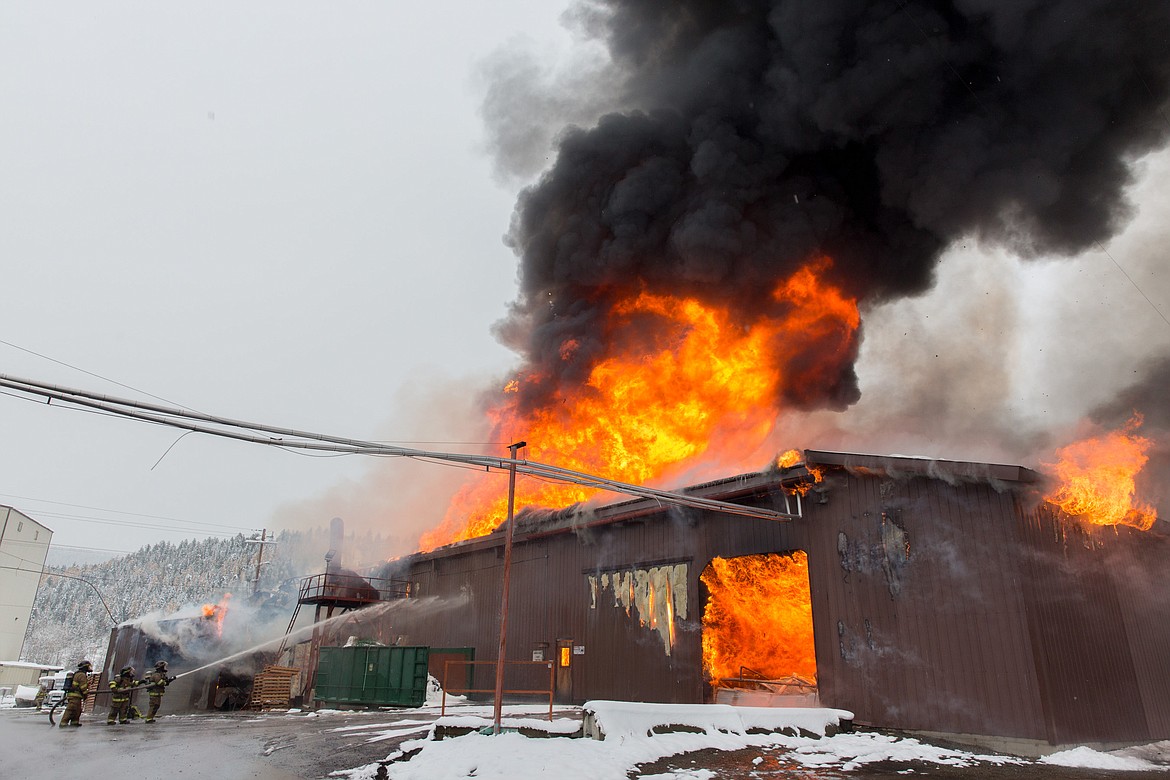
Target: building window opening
{"x": 757, "y": 623}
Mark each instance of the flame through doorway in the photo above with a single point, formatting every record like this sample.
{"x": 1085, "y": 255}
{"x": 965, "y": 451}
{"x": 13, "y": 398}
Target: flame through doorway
{"x": 758, "y": 619}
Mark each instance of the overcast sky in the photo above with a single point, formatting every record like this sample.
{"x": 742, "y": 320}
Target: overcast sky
{"x": 279, "y": 212}
{"x": 287, "y": 213}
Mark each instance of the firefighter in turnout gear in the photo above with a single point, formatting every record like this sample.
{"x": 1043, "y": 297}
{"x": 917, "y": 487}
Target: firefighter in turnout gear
{"x": 156, "y": 686}
{"x": 75, "y": 695}
{"x": 121, "y": 688}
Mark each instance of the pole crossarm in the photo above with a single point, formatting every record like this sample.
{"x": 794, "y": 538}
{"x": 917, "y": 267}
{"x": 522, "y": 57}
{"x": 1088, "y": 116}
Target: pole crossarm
{"x": 259, "y": 433}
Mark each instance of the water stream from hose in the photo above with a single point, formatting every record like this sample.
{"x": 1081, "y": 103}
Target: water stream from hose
{"x": 366, "y": 612}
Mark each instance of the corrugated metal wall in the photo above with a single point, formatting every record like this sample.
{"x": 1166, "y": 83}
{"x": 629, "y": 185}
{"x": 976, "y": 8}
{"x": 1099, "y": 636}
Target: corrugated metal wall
{"x": 918, "y": 610}
{"x": 131, "y": 646}
{"x": 1097, "y": 606}
{"x": 938, "y": 604}
{"x": 1138, "y": 567}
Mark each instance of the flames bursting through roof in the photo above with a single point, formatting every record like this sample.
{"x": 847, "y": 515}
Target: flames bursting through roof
{"x": 697, "y": 262}
{"x": 1096, "y": 478}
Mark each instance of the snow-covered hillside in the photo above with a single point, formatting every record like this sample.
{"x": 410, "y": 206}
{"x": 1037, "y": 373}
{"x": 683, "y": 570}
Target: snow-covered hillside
{"x": 69, "y": 620}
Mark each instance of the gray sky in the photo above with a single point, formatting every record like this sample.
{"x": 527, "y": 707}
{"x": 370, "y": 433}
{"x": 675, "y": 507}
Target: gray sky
{"x": 280, "y": 212}
{"x": 286, "y": 213}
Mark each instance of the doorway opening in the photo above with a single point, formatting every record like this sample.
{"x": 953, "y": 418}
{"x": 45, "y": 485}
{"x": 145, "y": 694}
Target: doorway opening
{"x": 758, "y": 630}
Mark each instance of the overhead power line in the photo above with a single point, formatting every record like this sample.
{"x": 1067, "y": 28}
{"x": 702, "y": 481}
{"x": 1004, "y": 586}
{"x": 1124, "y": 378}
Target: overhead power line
{"x": 257, "y": 433}
{"x": 177, "y": 528}
{"x": 82, "y": 370}
{"x": 130, "y": 514}
{"x": 89, "y": 549}
{"x": 70, "y": 577}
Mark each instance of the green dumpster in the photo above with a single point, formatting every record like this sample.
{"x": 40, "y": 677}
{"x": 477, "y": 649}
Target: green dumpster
{"x": 379, "y": 676}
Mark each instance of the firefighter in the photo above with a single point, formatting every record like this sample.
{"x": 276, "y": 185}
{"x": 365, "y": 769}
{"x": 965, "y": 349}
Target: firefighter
{"x": 121, "y": 688}
{"x": 156, "y": 686}
{"x": 75, "y": 696}
{"x": 39, "y": 699}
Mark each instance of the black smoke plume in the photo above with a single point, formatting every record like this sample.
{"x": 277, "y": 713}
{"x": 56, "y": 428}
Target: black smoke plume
{"x": 760, "y": 134}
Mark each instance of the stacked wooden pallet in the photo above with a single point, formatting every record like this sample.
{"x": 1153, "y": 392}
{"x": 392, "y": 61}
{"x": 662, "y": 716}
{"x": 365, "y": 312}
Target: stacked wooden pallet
{"x": 97, "y": 682}
{"x": 272, "y": 688}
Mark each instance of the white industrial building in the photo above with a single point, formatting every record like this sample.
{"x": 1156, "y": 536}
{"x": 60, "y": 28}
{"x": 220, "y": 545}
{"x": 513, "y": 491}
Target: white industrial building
{"x": 24, "y": 543}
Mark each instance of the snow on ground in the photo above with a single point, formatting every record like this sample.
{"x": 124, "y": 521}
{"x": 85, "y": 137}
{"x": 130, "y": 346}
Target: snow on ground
{"x": 21, "y": 696}
{"x": 472, "y": 717}
{"x": 559, "y": 727}
{"x": 632, "y": 737}
{"x": 623, "y": 717}
{"x": 630, "y": 740}
{"x": 391, "y": 724}
{"x": 511, "y": 755}
{"x": 396, "y": 733}
{"x": 1091, "y": 759}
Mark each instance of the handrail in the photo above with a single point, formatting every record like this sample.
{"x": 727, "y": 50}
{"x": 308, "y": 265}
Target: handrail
{"x": 549, "y": 692}
{"x": 352, "y": 587}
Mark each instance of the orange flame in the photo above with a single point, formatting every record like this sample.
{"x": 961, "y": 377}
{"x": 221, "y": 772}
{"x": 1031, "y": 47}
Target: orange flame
{"x": 787, "y": 460}
{"x": 791, "y": 458}
{"x": 1097, "y": 478}
{"x": 699, "y": 379}
{"x": 759, "y": 616}
{"x": 217, "y": 612}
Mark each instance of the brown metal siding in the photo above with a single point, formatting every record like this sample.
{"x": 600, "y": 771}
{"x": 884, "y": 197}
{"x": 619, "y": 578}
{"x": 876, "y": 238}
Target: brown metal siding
{"x": 1082, "y": 649}
{"x": 975, "y": 632}
{"x": 1137, "y": 567}
{"x": 933, "y": 643}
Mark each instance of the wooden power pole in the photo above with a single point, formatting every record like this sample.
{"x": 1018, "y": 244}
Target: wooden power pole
{"x": 263, "y": 540}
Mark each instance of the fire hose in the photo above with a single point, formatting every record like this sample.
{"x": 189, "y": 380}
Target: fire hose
{"x": 53, "y": 709}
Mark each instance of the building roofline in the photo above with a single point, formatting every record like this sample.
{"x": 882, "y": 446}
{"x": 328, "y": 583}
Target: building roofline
{"x": 32, "y": 520}
{"x": 544, "y": 523}
{"x": 30, "y": 665}
{"x": 910, "y": 465}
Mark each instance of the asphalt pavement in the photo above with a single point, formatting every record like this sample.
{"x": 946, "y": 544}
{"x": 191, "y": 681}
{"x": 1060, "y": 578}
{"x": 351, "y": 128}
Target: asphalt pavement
{"x": 231, "y": 746}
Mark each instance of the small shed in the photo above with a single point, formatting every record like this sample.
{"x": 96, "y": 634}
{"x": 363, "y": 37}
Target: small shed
{"x": 14, "y": 673}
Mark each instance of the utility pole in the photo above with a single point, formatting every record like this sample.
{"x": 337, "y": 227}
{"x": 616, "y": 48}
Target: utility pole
{"x": 259, "y": 556}
{"x": 509, "y": 528}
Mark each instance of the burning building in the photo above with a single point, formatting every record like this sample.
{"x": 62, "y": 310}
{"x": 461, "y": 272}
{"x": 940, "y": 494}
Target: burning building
{"x": 932, "y": 596}
{"x": 695, "y": 267}
{"x": 189, "y": 641}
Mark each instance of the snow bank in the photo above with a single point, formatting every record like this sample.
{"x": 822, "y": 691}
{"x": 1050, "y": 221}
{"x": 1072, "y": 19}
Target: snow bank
{"x": 435, "y": 693}
{"x": 560, "y": 726}
{"x": 1087, "y": 758}
{"x": 608, "y": 719}
{"x": 25, "y": 694}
